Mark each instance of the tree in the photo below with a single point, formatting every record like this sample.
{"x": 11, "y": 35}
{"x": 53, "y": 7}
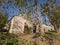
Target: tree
{"x": 55, "y": 20}
{"x": 50, "y": 10}
{"x": 0, "y": 1}
{"x": 3, "y": 20}
{"x": 23, "y": 5}
{"x": 31, "y": 12}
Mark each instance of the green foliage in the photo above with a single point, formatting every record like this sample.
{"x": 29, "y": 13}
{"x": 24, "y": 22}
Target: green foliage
{"x": 0, "y": 1}
{"x": 52, "y": 12}
{"x": 3, "y": 20}
{"x": 55, "y": 18}
{"x": 8, "y": 39}
{"x": 27, "y": 30}
{"x": 20, "y": 3}
{"x": 50, "y": 35}
{"x": 23, "y": 4}
{"x": 9, "y": 1}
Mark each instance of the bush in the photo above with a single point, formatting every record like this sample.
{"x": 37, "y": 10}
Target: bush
{"x": 8, "y": 39}
{"x": 50, "y": 33}
{"x": 50, "y": 37}
{"x": 27, "y": 29}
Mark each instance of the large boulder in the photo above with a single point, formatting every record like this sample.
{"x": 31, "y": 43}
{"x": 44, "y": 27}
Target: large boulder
{"x": 18, "y": 23}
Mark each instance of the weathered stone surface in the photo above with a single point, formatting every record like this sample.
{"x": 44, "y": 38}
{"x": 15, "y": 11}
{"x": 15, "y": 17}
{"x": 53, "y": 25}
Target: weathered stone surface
{"x": 18, "y": 23}
{"x": 45, "y": 28}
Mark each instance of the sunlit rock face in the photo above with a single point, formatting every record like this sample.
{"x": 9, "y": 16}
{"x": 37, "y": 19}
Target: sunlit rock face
{"x": 18, "y": 23}
{"x": 45, "y": 28}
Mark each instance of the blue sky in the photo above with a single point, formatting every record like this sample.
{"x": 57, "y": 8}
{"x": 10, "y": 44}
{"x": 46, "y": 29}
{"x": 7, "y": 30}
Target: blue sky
{"x": 12, "y": 10}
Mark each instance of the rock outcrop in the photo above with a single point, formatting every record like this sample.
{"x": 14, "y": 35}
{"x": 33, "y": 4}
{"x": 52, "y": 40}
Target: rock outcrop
{"x": 18, "y": 23}
{"x": 46, "y": 28}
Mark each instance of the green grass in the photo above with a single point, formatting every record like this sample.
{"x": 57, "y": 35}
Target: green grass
{"x": 8, "y": 39}
{"x": 50, "y": 35}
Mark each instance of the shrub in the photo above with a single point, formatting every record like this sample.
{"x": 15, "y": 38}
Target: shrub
{"x": 27, "y": 29}
{"x": 52, "y": 34}
{"x": 50, "y": 37}
{"x": 8, "y": 39}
